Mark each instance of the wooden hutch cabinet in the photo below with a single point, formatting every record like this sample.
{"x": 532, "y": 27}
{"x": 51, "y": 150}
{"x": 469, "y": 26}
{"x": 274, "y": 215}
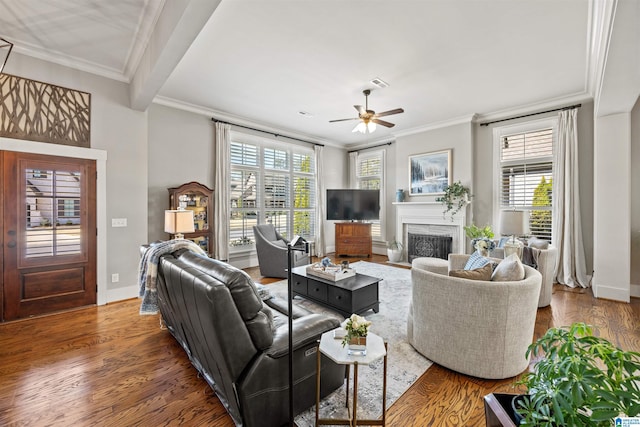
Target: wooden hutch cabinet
{"x": 353, "y": 238}
{"x": 198, "y": 198}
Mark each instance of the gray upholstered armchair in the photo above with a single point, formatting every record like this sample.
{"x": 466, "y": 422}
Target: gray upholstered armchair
{"x": 272, "y": 252}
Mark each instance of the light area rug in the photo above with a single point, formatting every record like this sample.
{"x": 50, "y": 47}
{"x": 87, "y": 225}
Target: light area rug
{"x": 404, "y": 364}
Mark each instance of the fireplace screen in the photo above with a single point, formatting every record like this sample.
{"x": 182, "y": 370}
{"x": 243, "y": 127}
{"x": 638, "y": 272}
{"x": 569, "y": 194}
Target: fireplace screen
{"x": 427, "y": 245}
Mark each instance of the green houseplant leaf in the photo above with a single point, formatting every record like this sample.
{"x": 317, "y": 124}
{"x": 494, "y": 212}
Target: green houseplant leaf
{"x": 456, "y": 196}
{"x": 581, "y": 380}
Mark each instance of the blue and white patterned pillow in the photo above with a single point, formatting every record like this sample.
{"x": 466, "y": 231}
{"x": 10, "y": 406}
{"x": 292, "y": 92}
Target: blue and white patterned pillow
{"x": 476, "y": 261}
{"x": 502, "y": 241}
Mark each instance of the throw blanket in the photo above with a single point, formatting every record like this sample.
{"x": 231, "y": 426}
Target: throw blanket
{"x": 530, "y": 257}
{"x": 148, "y": 270}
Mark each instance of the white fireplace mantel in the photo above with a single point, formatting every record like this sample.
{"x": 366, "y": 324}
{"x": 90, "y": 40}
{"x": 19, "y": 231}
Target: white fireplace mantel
{"x": 429, "y": 213}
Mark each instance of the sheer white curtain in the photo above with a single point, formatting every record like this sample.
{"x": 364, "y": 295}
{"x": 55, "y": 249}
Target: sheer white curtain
{"x": 353, "y": 169}
{"x": 221, "y": 181}
{"x": 321, "y": 210}
{"x": 567, "y": 226}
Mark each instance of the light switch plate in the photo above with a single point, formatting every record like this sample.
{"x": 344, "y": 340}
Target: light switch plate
{"x": 118, "y": 222}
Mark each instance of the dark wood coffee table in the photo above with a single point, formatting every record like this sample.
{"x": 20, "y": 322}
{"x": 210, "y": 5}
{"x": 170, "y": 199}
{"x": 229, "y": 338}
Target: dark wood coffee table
{"x": 353, "y": 295}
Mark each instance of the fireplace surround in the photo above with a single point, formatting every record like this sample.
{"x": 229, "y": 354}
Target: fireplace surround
{"x": 427, "y": 218}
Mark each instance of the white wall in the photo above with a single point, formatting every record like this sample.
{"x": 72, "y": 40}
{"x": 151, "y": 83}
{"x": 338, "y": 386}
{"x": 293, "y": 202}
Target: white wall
{"x": 122, "y": 133}
{"x": 616, "y": 100}
{"x": 458, "y": 138}
{"x": 612, "y": 207}
{"x": 336, "y": 175}
{"x": 635, "y": 200}
{"x": 482, "y": 205}
{"x": 181, "y": 150}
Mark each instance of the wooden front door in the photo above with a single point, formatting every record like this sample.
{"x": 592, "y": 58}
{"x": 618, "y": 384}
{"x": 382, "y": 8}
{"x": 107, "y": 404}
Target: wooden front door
{"x": 49, "y": 234}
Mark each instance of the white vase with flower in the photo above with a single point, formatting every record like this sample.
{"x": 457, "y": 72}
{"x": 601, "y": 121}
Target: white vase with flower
{"x": 483, "y": 245}
{"x": 355, "y": 339}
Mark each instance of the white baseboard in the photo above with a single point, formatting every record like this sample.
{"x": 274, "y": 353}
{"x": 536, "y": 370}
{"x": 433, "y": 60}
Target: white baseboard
{"x": 607, "y": 292}
{"x": 635, "y": 291}
{"x": 119, "y": 294}
{"x": 243, "y": 259}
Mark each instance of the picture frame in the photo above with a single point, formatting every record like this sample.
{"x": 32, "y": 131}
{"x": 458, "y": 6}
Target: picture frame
{"x": 429, "y": 173}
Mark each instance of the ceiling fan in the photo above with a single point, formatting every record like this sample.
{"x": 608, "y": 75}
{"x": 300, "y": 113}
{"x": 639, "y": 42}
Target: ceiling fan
{"x": 369, "y": 118}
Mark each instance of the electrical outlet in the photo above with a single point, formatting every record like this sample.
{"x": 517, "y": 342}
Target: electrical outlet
{"x": 118, "y": 222}
{"x": 115, "y": 277}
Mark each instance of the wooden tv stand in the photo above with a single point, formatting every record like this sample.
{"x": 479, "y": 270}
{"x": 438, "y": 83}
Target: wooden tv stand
{"x": 353, "y": 238}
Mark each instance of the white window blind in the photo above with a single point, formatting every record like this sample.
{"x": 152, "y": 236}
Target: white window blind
{"x": 245, "y": 192}
{"x": 370, "y": 175}
{"x": 526, "y": 173}
{"x": 271, "y": 183}
{"x": 53, "y": 200}
{"x": 304, "y": 190}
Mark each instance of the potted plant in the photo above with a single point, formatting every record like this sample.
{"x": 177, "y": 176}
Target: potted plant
{"x": 456, "y": 196}
{"x": 581, "y": 380}
{"x": 474, "y": 232}
{"x": 357, "y": 328}
{"x": 394, "y": 250}
{"x": 481, "y": 238}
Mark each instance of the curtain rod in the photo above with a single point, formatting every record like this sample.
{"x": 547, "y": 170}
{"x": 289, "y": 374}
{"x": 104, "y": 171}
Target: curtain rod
{"x": 373, "y": 146}
{"x": 264, "y": 131}
{"x": 532, "y": 114}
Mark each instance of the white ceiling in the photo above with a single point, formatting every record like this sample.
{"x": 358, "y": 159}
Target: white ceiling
{"x": 261, "y": 62}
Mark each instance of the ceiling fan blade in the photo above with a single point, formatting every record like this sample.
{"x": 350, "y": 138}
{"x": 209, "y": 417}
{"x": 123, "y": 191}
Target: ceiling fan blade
{"x": 360, "y": 108}
{"x": 383, "y": 123}
{"x": 344, "y": 120}
{"x": 390, "y": 112}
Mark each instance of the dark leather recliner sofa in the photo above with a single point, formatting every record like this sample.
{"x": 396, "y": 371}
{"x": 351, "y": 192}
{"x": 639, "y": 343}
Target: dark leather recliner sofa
{"x": 240, "y": 344}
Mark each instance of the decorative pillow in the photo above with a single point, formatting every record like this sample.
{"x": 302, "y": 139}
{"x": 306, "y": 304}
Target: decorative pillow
{"x": 482, "y": 273}
{"x": 475, "y": 261}
{"x": 508, "y": 270}
{"x": 537, "y": 243}
{"x": 263, "y": 292}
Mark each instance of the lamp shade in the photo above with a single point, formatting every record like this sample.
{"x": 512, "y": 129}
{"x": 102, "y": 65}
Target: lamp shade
{"x": 514, "y": 223}
{"x": 178, "y": 221}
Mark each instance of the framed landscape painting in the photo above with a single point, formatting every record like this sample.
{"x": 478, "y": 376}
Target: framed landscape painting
{"x": 429, "y": 173}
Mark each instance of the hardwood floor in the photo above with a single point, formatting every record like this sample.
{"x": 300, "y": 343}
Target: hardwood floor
{"x": 109, "y": 366}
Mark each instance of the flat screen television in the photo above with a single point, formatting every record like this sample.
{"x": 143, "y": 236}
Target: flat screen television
{"x": 353, "y": 205}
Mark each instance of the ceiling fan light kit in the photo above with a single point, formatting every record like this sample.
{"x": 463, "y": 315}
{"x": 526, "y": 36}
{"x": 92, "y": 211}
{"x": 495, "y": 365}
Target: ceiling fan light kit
{"x": 365, "y": 127}
{"x": 368, "y": 118}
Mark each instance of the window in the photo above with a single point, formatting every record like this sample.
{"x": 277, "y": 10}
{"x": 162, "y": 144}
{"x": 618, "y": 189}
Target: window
{"x": 525, "y": 172}
{"x": 53, "y": 213}
{"x": 270, "y": 183}
{"x": 370, "y": 176}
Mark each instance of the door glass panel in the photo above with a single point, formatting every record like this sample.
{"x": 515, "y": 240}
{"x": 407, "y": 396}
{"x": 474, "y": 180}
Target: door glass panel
{"x": 53, "y": 213}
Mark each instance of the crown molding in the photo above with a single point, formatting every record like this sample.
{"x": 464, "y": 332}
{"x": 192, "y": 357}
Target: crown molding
{"x": 437, "y": 125}
{"x": 601, "y": 18}
{"x": 239, "y": 120}
{"x": 144, "y": 30}
{"x": 60, "y": 58}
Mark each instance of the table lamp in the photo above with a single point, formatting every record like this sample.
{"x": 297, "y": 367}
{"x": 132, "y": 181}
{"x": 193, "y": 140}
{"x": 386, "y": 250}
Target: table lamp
{"x": 178, "y": 221}
{"x": 513, "y": 223}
